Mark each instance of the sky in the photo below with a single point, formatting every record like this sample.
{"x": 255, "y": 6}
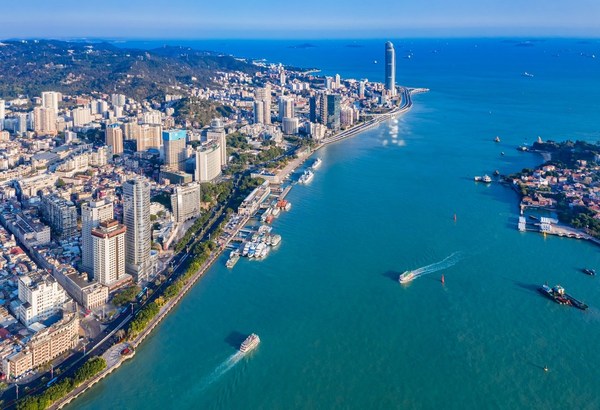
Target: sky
{"x": 196, "y": 19}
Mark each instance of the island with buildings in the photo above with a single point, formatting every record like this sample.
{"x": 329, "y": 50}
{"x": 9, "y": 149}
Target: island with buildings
{"x": 112, "y": 205}
{"x": 562, "y": 195}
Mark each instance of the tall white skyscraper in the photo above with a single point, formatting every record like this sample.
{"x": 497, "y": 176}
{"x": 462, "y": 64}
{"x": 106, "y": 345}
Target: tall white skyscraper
{"x": 2, "y": 114}
{"x": 50, "y": 99}
{"x": 390, "y": 68}
{"x": 92, "y": 214}
{"x": 216, "y": 133}
{"x": 136, "y": 217}
{"x": 109, "y": 252}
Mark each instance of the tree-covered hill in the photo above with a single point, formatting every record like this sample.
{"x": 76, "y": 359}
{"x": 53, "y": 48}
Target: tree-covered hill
{"x": 31, "y": 66}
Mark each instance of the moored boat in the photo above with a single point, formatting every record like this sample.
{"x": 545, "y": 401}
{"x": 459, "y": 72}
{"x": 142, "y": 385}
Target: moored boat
{"x": 317, "y": 163}
{"x": 588, "y": 271}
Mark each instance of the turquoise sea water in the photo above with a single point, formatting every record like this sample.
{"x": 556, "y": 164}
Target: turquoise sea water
{"x": 337, "y": 329}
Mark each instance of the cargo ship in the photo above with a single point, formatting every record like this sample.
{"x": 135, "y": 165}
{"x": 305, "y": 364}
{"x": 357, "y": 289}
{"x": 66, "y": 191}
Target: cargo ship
{"x": 558, "y": 294}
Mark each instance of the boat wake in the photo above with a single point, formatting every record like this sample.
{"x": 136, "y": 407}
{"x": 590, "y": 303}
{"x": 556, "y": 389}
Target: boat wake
{"x": 438, "y": 266}
{"x": 221, "y": 369}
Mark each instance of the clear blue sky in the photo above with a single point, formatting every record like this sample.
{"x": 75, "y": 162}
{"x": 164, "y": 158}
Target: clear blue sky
{"x": 298, "y": 19}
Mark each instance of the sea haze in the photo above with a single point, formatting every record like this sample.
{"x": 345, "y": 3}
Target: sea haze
{"x": 337, "y": 329}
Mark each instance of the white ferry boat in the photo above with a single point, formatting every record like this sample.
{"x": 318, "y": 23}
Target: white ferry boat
{"x": 306, "y": 177}
{"x": 406, "y": 277}
{"x": 234, "y": 256}
{"x": 250, "y": 343}
{"x": 317, "y": 163}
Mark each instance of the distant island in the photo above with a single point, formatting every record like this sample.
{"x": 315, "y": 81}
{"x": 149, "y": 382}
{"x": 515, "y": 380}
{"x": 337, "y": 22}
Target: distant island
{"x": 567, "y": 184}
{"x": 303, "y": 45}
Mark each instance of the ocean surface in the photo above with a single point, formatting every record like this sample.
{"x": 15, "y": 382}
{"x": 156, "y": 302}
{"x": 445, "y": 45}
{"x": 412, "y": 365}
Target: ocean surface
{"x": 337, "y": 329}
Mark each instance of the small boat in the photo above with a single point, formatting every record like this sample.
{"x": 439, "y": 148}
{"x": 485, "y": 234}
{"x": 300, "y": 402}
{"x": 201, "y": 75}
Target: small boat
{"x": 496, "y": 173}
{"x": 406, "y": 277}
{"x": 486, "y": 179}
{"x": 588, "y": 271}
{"x": 497, "y": 139}
{"x": 526, "y": 74}
{"x": 478, "y": 179}
{"x": 317, "y": 163}
{"x": 443, "y": 279}
{"x": 502, "y": 153}
{"x": 522, "y": 148}
{"x": 250, "y": 343}
{"x": 234, "y": 257}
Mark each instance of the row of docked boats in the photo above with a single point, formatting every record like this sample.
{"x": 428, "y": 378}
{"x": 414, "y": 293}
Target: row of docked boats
{"x": 274, "y": 210}
{"x": 257, "y": 246}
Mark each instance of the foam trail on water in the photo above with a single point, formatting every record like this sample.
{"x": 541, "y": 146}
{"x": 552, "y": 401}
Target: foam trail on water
{"x": 434, "y": 267}
{"x": 221, "y": 369}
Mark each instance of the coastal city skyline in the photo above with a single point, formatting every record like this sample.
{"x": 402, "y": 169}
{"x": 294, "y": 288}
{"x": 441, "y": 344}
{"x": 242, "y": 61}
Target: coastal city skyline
{"x": 182, "y": 19}
{"x": 392, "y": 205}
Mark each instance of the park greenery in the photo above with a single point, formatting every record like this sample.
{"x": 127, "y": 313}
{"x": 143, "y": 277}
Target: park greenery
{"x": 126, "y": 296}
{"x": 60, "y": 389}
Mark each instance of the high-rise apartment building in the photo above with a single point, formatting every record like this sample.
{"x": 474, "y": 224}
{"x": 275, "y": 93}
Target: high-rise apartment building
{"x": 216, "y": 133}
{"x": 334, "y": 102}
{"x": 92, "y": 213}
{"x": 185, "y": 202}
{"x": 41, "y": 297}
{"x": 323, "y": 111}
{"x": 174, "y": 145}
{"x": 114, "y": 138}
{"x": 2, "y": 114}
{"x": 136, "y": 217}
{"x": 50, "y": 99}
{"x": 109, "y": 252}
{"x": 286, "y": 108}
{"x": 390, "y": 68}
{"x": 44, "y": 121}
{"x": 264, "y": 95}
{"x": 208, "y": 163}
{"x": 61, "y": 215}
{"x": 81, "y": 116}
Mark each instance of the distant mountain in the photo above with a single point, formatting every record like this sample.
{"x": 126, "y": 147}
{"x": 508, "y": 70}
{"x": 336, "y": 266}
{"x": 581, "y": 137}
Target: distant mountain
{"x": 32, "y": 66}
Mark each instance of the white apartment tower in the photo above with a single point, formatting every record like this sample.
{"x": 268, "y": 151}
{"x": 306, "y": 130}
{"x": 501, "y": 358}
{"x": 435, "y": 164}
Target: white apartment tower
{"x": 41, "y": 297}
{"x": 109, "y": 252}
{"x": 50, "y": 99}
{"x": 185, "y": 202}
{"x": 208, "y": 163}
{"x": 92, "y": 213}
{"x": 136, "y": 217}
{"x": 264, "y": 95}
